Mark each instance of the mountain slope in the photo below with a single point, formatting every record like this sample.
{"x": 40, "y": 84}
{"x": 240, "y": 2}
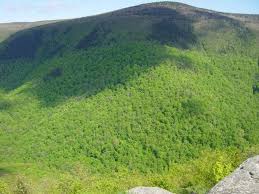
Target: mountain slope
{"x": 7, "y": 29}
{"x": 137, "y": 90}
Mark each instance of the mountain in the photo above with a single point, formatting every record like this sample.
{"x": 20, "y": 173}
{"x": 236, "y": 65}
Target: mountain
{"x": 161, "y": 94}
{"x": 7, "y": 29}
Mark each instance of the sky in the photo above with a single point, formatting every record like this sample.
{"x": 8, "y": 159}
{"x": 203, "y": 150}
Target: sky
{"x": 37, "y": 10}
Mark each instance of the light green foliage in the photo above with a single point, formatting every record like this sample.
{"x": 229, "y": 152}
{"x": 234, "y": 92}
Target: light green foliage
{"x": 154, "y": 109}
{"x": 124, "y": 108}
{"x": 133, "y": 105}
{"x": 3, "y": 188}
{"x": 191, "y": 176}
{"x": 70, "y": 186}
{"x": 221, "y": 169}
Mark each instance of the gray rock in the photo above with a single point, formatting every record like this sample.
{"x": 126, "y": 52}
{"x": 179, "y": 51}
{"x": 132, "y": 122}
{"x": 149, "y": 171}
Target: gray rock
{"x": 148, "y": 190}
{"x": 244, "y": 180}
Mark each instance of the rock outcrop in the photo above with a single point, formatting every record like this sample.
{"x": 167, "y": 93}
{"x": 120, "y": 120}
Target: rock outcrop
{"x": 148, "y": 190}
{"x": 244, "y": 180}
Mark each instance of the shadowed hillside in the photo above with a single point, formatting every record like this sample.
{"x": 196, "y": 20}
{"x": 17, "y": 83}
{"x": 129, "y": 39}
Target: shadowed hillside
{"x": 7, "y": 29}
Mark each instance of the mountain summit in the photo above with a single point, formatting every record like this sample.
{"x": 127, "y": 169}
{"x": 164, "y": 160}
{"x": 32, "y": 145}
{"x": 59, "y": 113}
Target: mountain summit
{"x": 169, "y": 23}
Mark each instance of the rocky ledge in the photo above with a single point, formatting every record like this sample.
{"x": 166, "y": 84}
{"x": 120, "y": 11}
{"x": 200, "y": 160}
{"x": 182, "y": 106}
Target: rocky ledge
{"x": 244, "y": 180}
{"x": 148, "y": 190}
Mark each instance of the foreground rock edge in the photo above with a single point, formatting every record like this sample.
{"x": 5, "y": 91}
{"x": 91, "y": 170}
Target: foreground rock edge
{"x": 244, "y": 180}
{"x": 148, "y": 190}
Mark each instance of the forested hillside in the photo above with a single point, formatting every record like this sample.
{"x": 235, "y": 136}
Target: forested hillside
{"x": 160, "y": 94}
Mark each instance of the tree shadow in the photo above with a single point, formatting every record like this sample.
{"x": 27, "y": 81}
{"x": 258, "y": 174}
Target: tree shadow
{"x": 167, "y": 26}
{"x": 4, "y": 171}
{"x": 178, "y": 33}
{"x": 86, "y": 73}
{"x": 100, "y": 58}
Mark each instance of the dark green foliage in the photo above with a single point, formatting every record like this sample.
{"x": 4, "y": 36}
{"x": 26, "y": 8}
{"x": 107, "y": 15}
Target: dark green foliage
{"x": 96, "y": 37}
{"x": 255, "y": 89}
{"x": 193, "y": 107}
{"x": 177, "y": 30}
{"x": 256, "y": 84}
{"x": 13, "y": 73}
{"x": 57, "y": 72}
{"x": 22, "y": 45}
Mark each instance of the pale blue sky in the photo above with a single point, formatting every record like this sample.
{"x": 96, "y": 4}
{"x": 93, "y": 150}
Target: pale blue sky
{"x": 35, "y": 10}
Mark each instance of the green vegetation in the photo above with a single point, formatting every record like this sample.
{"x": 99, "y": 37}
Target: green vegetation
{"x": 96, "y": 105}
{"x": 191, "y": 176}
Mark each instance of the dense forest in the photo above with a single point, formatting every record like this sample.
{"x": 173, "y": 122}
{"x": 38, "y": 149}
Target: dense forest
{"x": 160, "y": 94}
